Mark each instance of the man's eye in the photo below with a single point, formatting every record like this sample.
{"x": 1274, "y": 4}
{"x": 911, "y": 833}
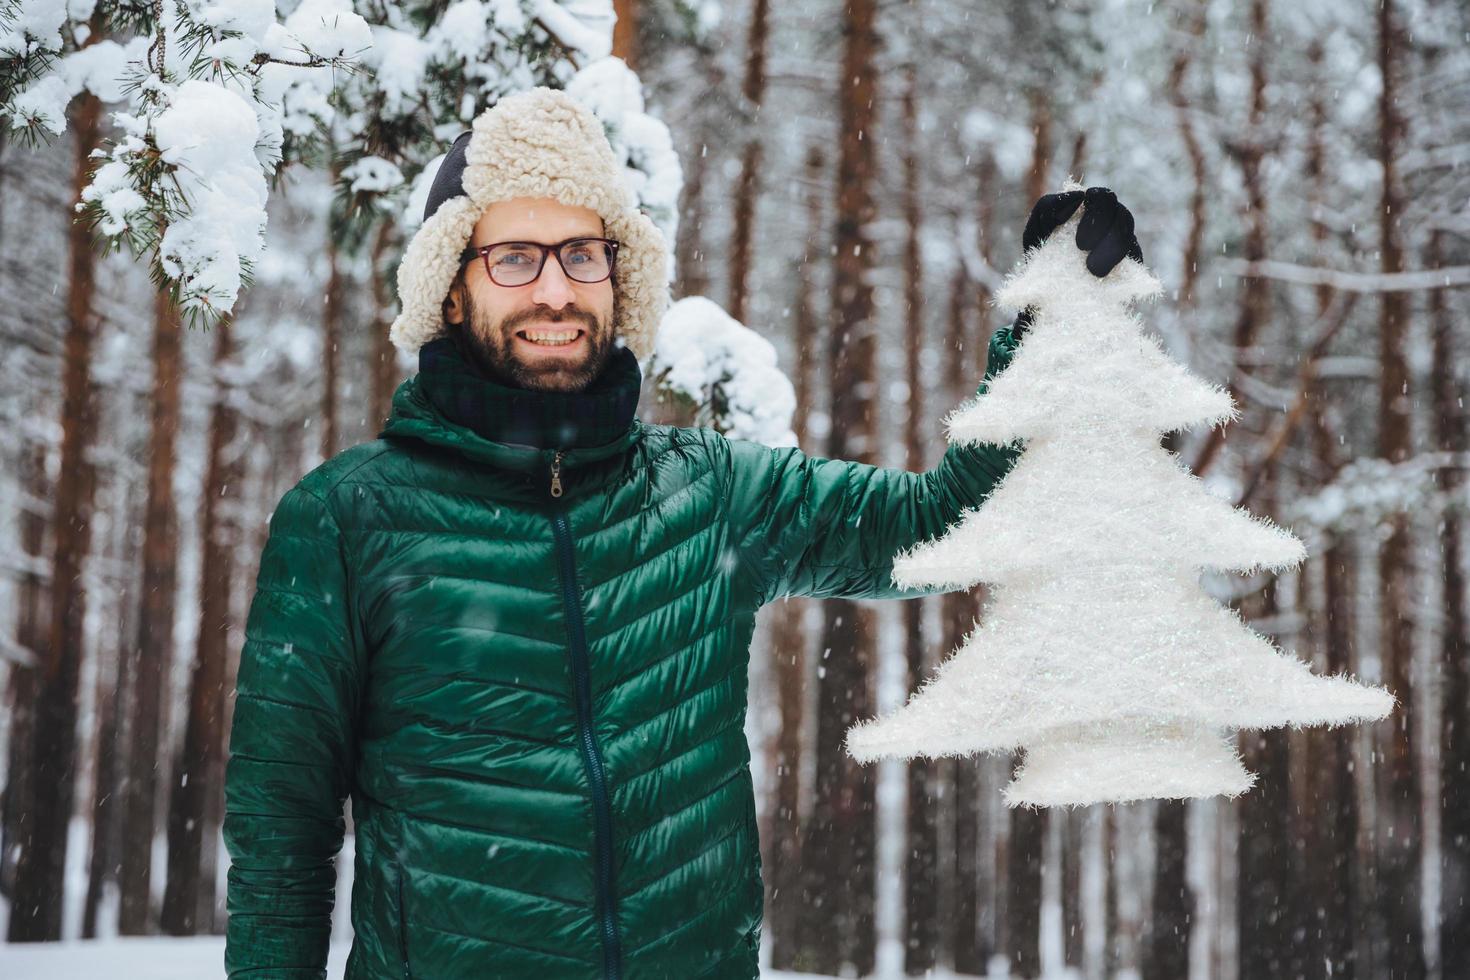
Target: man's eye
{"x": 514, "y": 258}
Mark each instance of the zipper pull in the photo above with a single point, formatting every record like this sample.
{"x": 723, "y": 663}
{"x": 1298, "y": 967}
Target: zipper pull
{"x": 556, "y": 474}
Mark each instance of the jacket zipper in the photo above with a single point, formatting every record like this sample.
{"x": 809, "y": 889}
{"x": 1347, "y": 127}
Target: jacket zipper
{"x": 591, "y": 756}
{"x": 403, "y": 927}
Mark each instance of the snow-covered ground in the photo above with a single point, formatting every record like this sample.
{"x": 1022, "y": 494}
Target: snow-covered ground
{"x": 195, "y": 958}
{"x": 202, "y": 957}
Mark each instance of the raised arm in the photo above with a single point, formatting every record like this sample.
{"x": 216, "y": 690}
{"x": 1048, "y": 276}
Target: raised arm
{"x": 829, "y": 528}
{"x": 291, "y": 748}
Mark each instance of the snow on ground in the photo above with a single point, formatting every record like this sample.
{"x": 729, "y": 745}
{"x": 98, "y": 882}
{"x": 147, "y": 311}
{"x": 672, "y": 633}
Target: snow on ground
{"x": 194, "y": 958}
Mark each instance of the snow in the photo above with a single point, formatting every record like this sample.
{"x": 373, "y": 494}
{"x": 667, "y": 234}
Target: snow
{"x": 100, "y": 68}
{"x": 323, "y": 29}
{"x": 584, "y": 25}
{"x": 372, "y": 174}
{"x": 642, "y": 142}
{"x": 706, "y": 355}
{"x": 202, "y": 957}
{"x": 1098, "y": 650}
{"x": 32, "y": 25}
{"x": 399, "y": 61}
{"x": 208, "y": 134}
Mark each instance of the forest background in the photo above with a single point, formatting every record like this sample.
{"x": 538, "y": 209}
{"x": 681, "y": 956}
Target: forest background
{"x": 855, "y": 176}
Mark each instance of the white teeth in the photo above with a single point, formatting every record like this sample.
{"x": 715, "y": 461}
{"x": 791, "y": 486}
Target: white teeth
{"x": 551, "y": 336}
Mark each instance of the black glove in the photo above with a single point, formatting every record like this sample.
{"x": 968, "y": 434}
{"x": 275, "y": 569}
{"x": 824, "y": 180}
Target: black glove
{"x": 1105, "y": 232}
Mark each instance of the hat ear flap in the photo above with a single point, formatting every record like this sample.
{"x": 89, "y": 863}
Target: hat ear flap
{"x": 449, "y": 178}
{"x": 427, "y": 271}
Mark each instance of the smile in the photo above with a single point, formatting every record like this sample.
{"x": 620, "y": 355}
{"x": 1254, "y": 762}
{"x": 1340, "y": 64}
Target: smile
{"x": 547, "y": 337}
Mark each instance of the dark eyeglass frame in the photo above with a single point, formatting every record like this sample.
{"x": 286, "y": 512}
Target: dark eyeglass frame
{"x": 483, "y": 252}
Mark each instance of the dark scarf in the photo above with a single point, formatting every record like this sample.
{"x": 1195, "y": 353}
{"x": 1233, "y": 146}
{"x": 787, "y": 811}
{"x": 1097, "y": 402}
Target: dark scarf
{"x": 466, "y": 396}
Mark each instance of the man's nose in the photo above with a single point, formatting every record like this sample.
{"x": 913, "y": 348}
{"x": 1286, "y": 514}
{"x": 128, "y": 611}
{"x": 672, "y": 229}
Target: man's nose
{"x": 553, "y": 288}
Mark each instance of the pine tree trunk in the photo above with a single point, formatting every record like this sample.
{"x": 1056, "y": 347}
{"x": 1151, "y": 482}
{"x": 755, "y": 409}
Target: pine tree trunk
{"x": 1184, "y": 116}
{"x": 1023, "y": 899}
{"x": 385, "y": 373}
{"x": 747, "y": 186}
{"x": 625, "y": 32}
{"x": 1332, "y": 830}
{"x": 1072, "y": 917}
{"x": 782, "y": 857}
{"x": 1450, "y": 434}
{"x": 1027, "y": 829}
{"x": 1267, "y": 945}
{"x": 1400, "y": 825}
{"x": 1250, "y": 155}
{"x": 104, "y": 809}
{"x": 153, "y": 647}
{"x": 693, "y": 271}
{"x": 331, "y": 343}
{"x": 1166, "y": 954}
{"x": 36, "y": 905}
{"x": 970, "y": 948}
{"x": 838, "y": 849}
{"x": 1038, "y": 179}
{"x": 199, "y": 770}
{"x": 921, "y": 866}
{"x": 32, "y": 593}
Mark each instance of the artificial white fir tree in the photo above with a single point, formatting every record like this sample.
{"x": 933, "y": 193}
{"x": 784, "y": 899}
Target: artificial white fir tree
{"x": 1098, "y": 651}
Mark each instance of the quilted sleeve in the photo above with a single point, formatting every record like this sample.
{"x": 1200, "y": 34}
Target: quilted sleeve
{"x": 806, "y": 526}
{"x": 291, "y": 748}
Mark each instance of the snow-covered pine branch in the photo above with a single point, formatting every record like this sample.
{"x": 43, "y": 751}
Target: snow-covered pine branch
{"x": 725, "y": 370}
{"x": 199, "y": 86}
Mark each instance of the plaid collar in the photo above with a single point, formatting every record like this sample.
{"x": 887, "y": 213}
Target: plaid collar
{"x": 464, "y": 395}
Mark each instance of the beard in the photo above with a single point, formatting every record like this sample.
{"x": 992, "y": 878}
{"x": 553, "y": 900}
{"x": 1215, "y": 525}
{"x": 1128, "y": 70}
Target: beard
{"x": 492, "y": 344}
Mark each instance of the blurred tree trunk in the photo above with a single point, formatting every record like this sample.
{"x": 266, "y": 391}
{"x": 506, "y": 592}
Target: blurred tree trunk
{"x": 1400, "y": 817}
{"x": 1249, "y": 154}
{"x": 36, "y": 904}
{"x": 782, "y": 858}
{"x": 921, "y": 864}
{"x": 1166, "y": 955}
{"x": 153, "y": 646}
{"x": 1268, "y": 948}
{"x": 111, "y": 697}
{"x": 332, "y": 316}
{"x": 1450, "y": 434}
{"x": 385, "y": 373}
{"x": 1332, "y": 827}
{"x": 747, "y": 186}
{"x": 969, "y": 947}
{"x": 103, "y": 818}
{"x": 838, "y": 849}
{"x": 979, "y": 825}
{"x": 1184, "y": 116}
{"x": 693, "y": 271}
{"x": 1027, "y": 826}
{"x": 1023, "y": 899}
{"x": 1264, "y": 855}
{"x": 625, "y": 32}
{"x": 188, "y": 896}
{"x": 32, "y": 592}
{"x": 1072, "y": 917}
{"x": 1038, "y": 179}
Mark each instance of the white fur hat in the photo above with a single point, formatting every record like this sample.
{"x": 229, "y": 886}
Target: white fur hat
{"x": 540, "y": 143}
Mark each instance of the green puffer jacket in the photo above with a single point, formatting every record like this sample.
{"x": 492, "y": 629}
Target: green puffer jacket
{"x": 536, "y": 703}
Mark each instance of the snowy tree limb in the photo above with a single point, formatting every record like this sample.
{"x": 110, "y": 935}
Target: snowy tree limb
{"x": 1354, "y": 282}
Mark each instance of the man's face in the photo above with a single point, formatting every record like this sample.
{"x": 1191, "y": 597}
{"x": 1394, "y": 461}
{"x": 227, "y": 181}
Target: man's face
{"x": 573, "y": 320}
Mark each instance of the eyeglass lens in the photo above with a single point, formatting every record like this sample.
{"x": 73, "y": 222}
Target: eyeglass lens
{"x": 517, "y": 263}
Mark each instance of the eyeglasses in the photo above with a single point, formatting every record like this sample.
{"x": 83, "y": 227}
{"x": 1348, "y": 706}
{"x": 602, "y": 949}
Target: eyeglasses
{"x": 584, "y": 260}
